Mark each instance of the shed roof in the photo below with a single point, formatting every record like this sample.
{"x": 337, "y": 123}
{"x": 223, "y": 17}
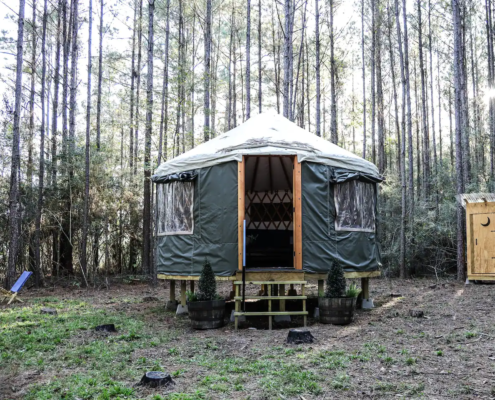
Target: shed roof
{"x": 268, "y": 133}
{"x": 465, "y": 198}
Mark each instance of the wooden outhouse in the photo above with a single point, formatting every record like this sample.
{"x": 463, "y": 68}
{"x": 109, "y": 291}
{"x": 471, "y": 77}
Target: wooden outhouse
{"x": 480, "y": 225}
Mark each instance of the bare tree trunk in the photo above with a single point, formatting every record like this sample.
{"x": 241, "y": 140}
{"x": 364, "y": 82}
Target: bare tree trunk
{"x": 14, "y": 212}
{"x": 373, "y": 80}
{"x": 100, "y": 78}
{"x": 133, "y": 79}
{"x": 394, "y": 88}
{"x": 435, "y": 160}
{"x": 379, "y": 90}
{"x": 408, "y": 117}
{"x": 333, "y": 72}
{"x": 147, "y": 265}
{"x": 451, "y": 130}
{"x": 164, "y": 111}
{"x": 459, "y": 162}
{"x": 424, "y": 105}
{"x": 138, "y": 84}
{"x": 229, "y": 101}
{"x": 276, "y": 60}
{"x": 248, "y": 60}
{"x": 259, "y": 58}
{"x": 207, "y": 71}
{"x": 29, "y": 172}
{"x": 364, "y": 79}
{"x": 317, "y": 67}
{"x": 84, "y": 238}
{"x": 287, "y": 46}
{"x": 440, "y": 150}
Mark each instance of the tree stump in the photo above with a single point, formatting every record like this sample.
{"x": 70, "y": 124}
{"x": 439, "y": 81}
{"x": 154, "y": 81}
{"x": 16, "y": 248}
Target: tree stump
{"x": 156, "y": 379}
{"x": 416, "y": 313}
{"x": 298, "y": 336}
{"x": 48, "y": 310}
{"x": 106, "y": 328}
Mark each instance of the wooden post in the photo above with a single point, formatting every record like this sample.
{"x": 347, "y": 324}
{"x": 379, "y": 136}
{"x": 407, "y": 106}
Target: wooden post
{"x": 183, "y": 292}
{"x": 270, "y": 317}
{"x": 172, "y": 291}
{"x": 304, "y": 303}
{"x": 297, "y": 215}
{"x": 365, "y": 287}
{"x": 281, "y": 292}
{"x": 241, "y": 198}
{"x": 191, "y": 286}
{"x": 321, "y": 287}
{"x": 237, "y": 306}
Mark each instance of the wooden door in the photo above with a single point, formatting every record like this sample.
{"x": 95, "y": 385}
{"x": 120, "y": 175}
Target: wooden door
{"x": 484, "y": 243}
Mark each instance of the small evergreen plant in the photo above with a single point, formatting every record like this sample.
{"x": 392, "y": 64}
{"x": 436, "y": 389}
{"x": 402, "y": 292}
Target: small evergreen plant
{"x": 335, "y": 281}
{"x": 207, "y": 287}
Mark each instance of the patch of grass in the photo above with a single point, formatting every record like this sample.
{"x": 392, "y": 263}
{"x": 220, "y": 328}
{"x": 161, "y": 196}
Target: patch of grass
{"x": 439, "y": 353}
{"x": 400, "y": 332}
{"x": 470, "y": 334}
{"x": 341, "y": 382}
{"x": 410, "y": 361}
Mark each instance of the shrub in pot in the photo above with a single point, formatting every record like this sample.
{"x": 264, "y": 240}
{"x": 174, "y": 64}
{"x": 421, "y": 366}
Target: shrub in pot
{"x": 206, "y": 308}
{"x": 338, "y": 305}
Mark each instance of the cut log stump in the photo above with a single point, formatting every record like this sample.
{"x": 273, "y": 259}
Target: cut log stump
{"x": 48, "y": 310}
{"x": 106, "y": 328}
{"x": 298, "y": 336}
{"x": 156, "y": 379}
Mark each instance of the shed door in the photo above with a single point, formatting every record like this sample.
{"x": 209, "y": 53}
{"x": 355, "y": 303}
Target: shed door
{"x": 484, "y": 243}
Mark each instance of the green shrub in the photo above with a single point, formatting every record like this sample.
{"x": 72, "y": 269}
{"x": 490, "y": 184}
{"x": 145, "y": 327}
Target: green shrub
{"x": 335, "y": 281}
{"x": 353, "y": 291}
{"x": 207, "y": 287}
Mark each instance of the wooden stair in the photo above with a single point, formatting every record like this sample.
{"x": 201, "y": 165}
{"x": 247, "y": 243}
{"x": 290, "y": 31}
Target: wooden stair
{"x": 270, "y": 314}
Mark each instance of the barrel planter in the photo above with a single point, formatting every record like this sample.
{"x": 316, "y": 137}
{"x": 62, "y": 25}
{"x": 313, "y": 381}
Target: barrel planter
{"x": 337, "y": 311}
{"x": 206, "y": 314}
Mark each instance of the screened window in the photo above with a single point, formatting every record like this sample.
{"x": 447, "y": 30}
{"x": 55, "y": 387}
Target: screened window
{"x": 355, "y": 206}
{"x": 175, "y": 208}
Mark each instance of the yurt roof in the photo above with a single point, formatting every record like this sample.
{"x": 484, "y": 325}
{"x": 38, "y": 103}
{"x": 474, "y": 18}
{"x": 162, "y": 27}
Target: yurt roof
{"x": 266, "y": 134}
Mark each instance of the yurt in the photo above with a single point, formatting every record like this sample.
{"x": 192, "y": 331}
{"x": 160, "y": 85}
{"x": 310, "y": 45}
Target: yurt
{"x": 267, "y": 196}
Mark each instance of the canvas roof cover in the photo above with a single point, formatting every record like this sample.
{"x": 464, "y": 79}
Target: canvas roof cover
{"x": 266, "y": 134}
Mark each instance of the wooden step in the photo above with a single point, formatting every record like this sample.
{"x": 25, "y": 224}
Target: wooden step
{"x": 272, "y": 282}
{"x": 271, "y": 298}
{"x": 269, "y": 313}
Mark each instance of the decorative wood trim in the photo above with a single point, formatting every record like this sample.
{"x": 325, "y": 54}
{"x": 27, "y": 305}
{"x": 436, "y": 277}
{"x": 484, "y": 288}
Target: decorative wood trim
{"x": 347, "y": 275}
{"x": 241, "y": 198}
{"x": 193, "y": 277}
{"x": 297, "y": 215}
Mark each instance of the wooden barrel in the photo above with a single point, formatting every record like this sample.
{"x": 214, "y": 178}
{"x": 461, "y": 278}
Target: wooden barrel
{"x": 206, "y": 314}
{"x": 337, "y": 311}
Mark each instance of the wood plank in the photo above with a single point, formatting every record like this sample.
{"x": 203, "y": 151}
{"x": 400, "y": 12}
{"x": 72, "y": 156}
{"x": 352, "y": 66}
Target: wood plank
{"x": 484, "y": 277}
{"x": 183, "y": 293}
{"x": 273, "y": 298}
{"x": 272, "y": 276}
{"x": 365, "y": 287}
{"x": 270, "y": 282}
{"x": 282, "y": 297}
{"x": 172, "y": 290}
{"x": 264, "y": 313}
{"x": 297, "y": 226}
{"x": 193, "y": 277}
{"x": 241, "y": 199}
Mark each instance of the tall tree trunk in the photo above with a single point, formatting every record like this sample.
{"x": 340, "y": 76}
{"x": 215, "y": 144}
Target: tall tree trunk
{"x": 164, "y": 110}
{"x": 379, "y": 90}
{"x": 147, "y": 154}
{"x": 424, "y": 105}
{"x": 29, "y": 172}
{"x": 259, "y": 58}
{"x": 248, "y": 60}
{"x": 317, "y": 67}
{"x": 100, "y": 78}
{"x": 459, "y": 162}
{"x": 287, "y": 46}
{"x": 138, "y": 83}
{"x": 207, "y": 71}
{"x": 364, "y": 79}
{"x": 84, "y": 238}
{"x": 14, "y": 212}
{"x": 373, "y": 80}
{"x": 408, "y": 118}
{"x": 435, "y": 160}
{"x": 133, "y": 80}
{"x": 402, "y": 158}
{"x": 333, "y": 72}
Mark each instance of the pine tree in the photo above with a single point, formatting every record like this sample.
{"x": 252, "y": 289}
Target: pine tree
{"x": 207, "y": 285}
{"x": 335, "y": 281}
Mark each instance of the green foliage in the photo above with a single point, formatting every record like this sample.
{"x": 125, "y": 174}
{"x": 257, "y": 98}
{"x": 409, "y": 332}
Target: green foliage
{"x": 335, "y": 281}
{"x": 191, "y": 296}
{"x": 207, "y": 287}
{"x": 352, "y": 291}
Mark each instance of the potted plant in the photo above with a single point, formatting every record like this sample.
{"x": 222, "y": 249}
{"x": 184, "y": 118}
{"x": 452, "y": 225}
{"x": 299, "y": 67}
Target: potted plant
{"x": 338, "y": 305}
{"x": 206, "y": 308}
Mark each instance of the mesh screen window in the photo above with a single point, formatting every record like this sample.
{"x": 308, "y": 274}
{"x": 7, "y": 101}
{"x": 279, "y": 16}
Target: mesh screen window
{"x": 355, "y": 206}
{"x": 175, "y": 208}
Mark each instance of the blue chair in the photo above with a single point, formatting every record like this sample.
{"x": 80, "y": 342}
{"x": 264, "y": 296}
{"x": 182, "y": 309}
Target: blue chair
{"x": 12, "y": 293}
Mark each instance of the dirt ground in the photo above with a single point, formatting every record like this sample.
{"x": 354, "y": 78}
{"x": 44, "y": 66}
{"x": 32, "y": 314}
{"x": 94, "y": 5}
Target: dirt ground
{"x": 385, "y": 353}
